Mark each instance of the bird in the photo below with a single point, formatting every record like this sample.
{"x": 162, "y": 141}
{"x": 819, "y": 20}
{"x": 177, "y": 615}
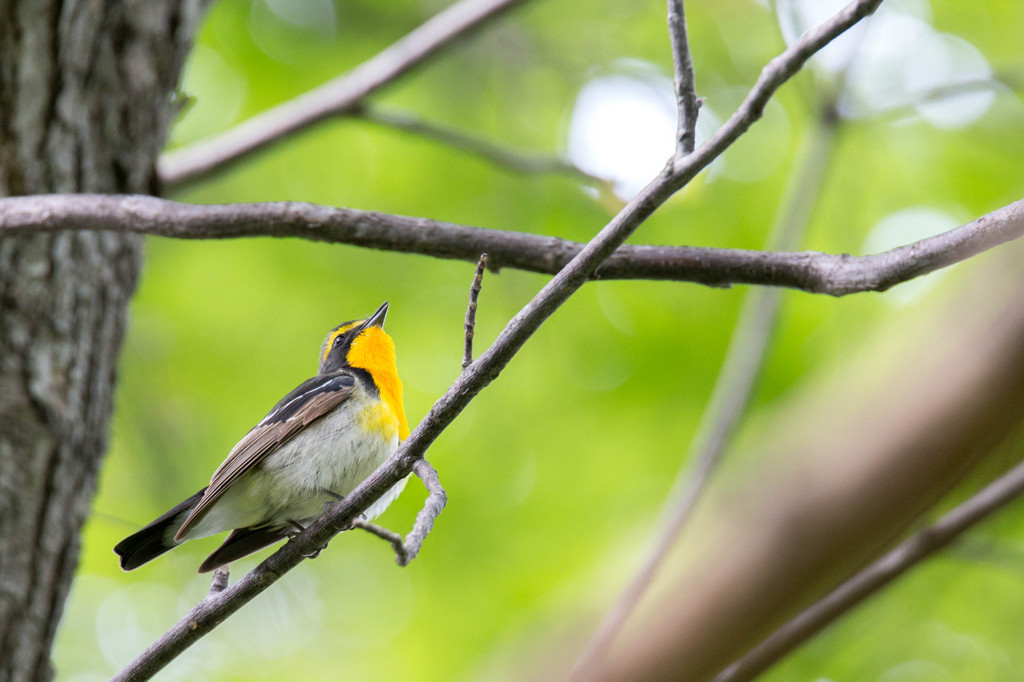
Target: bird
{"x": 314, "y": 447}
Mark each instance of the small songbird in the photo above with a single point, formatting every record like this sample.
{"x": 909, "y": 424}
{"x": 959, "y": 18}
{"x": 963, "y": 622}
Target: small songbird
{"x": 317, "y": 444}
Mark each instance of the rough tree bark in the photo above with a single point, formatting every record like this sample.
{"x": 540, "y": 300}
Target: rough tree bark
{"x": 85, "y": 102}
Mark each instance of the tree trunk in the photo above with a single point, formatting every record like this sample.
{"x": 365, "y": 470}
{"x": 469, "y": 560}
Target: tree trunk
{"x": 85, "y": 103}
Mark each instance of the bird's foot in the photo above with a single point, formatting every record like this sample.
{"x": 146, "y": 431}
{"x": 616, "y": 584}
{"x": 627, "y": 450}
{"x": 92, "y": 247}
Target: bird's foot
{"x": 298, "y": 528}
{"x": 315, "y": 553}
{"x": 330, "y": 503}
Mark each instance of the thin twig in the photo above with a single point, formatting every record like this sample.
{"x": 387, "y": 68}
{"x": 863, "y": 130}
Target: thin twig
{"x": 211, "y": 612}
{"x": 870, "y": 580}
{"x": 220, "y": 580}
{"x": 384, "y": 534}
{"x": 407, "y": 549}
{"x": 685, "y": 83}
{"x": 778, "y": 71}
{"x": 835, "y": 275}
{"x": 518, "y": 162}
{"x": 474, "y": 294}
{"x": 437, "y": 498}
{"x": 332, "y": 98}
{"x": 730, "y": 397}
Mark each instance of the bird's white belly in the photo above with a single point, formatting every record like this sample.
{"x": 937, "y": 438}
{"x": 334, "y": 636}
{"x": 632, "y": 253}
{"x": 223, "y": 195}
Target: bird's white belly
{"x": 334, "y": 453}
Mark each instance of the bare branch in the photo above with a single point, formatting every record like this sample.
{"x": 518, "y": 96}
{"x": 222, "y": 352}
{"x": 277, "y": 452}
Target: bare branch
{"x": 686, "y": 88}
{"x": 407, "y": 549}
{"x": 778, "y": 71}
{"x": 210, "y": 612}
{"x": 332, "y": 98}
{"x": 870, "y": 580}
{"x": 221, "y": 576}
{"x": 437, "y": 498}
{"x": 939, "y": 93}
{"x": 384, "y": 534}
{"x": 474, "y": 293}
{"x": 221, "y": 603}
{"x": 852, "y": 463}
{"x": 510, "y": 159}
{"x": 730, "y": 397}
{"x": 835, "y": 275}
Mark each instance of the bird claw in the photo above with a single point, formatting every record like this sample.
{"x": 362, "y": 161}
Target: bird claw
{"x": 298, "y": 528}
{"x": 315, "y": 553}
{"x": 330, "y": 503}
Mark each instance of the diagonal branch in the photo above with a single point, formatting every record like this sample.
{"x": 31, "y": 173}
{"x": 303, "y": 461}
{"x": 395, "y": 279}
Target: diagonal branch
{"x": 332, "y": 98}
{"x": 835, "y": 275}
{"x": 876, "y": 576}
{"x": 685, "y": 84}
{"x": 855, "y": 461}
{"x": 212, "y": 611}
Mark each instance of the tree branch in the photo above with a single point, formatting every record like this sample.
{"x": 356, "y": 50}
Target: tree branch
{"x": 778, "y": 71}
{"x": 841, "y": 472}
{"x": 835, "y": 275}
{"x": 213, "y": 610}
{"x": 407, "y": 549}
{"x": 509, "y": 159}
{"x": 876, "y": 576}
{"x": 474, "y": 294}
{"x": 685, "y": 84}
{"x": 945, "y": 91}
{"x": 732, "y": 392}
{"x": 437, "y": 498}
{"x": 332, "y": 98}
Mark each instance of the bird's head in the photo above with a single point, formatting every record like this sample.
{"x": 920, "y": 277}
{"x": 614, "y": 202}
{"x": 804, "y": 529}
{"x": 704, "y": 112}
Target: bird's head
{"x": 359, "y": 343}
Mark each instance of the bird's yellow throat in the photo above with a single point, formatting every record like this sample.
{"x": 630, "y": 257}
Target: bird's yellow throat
{"x": 374, "y": 351}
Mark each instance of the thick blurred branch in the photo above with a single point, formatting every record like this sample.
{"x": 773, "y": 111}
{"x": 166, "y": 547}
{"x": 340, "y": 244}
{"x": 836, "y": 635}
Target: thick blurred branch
{"x": 1007, "y": 80}
{"x": 893, "y": 564}
{"x": 332, "y": 98}
{"x": 732, "y": 392}
{"x": 836, "y": 275}
{"x": 853, "y": 464}
{"x": 510, "y": 159}
{"x": 581, "y": 268}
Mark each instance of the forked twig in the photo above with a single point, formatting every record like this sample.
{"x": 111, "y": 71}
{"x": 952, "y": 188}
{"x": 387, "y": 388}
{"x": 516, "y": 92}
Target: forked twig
{"x": 407, "y": 549}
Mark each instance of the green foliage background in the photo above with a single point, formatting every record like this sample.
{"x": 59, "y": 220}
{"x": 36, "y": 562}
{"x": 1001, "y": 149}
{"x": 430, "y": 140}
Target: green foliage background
{"x": 556, "y": 472}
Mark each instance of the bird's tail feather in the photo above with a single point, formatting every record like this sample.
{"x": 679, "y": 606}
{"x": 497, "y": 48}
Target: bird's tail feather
{"x": 156, "y": 538}
{"x": 242, "y": 542}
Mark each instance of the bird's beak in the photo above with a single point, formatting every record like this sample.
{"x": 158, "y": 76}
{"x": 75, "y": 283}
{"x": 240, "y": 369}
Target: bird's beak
{"x": 377, "y": 319}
